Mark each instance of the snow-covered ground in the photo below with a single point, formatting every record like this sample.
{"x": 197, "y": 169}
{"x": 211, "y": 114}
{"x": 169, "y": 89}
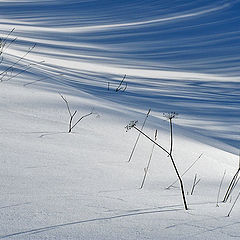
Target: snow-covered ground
{"x": 179, "y": 57}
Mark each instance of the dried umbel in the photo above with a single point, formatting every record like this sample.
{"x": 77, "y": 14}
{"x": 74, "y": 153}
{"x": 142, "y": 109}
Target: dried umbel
{"x": 131, "y": 125}
{"x": 136, "y": 142}
{"x": 170, "y": 115}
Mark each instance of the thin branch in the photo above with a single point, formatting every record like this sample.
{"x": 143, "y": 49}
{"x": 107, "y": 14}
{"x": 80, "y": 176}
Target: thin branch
{"x": 15, "y": 63}
{"x": 70, "y": 121}
{"x": 231, "y": 186}
{"x": 136, "y": 142}
{"x": 195, "y": 182}
{"x": 124, "y": 89}
{"x": 234, "y": 185}
{"x": 239, "y": 160}
{"x": 3, "y": 42}
{"x": 65, "y": 100}
{"x": 233, "y": 205}
{"x": 219, "y": 189}
{"x": 120, "y": 84}
{"x": 5, "y": 48}
{"x": 70, "y": 127}
{"x": 166, "y": 151}
{"x": 149, "y": 161}
{"x": 171, "y": 136}
{"x": 84, "y": 116}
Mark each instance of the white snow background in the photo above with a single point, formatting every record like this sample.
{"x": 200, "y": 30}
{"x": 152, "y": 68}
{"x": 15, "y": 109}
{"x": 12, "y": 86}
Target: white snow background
{"x": 178, "y": 56}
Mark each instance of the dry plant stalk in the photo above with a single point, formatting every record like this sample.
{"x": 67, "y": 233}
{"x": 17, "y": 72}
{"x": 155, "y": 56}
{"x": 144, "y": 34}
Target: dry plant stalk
{"x": 233, "y": 205}
{"x": 10, "y": 68}
{"x": 219, "y": 189}
{"x": 136, "y": 142}
{"x": 232, "y": 184}
{"x": 149, "y": 161}
{"x": 170, "y": 116}
{"x": 3, "y": 42}
{"x": 71, "y": 125}
{"x": 7, "y": 74}
{"x": 195, "y": 182}
{"x": 120, "y": 88}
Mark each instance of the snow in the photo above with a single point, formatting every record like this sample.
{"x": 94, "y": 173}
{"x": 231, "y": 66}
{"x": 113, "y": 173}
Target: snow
{"x": 56, "y": 185}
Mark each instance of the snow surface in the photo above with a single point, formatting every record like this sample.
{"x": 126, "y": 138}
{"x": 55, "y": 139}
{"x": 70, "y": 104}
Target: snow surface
{"x": 177, "y": 56}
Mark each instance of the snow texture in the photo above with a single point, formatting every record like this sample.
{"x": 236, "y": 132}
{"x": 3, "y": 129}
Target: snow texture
{"x": 178, "y": 56}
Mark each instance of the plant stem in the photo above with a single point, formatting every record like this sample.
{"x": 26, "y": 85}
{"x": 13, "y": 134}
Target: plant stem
{"x": 148, "y": 164}
{"x": 134, "y": 147}
{"x": 219, "y": 189}
{"x": 233, "y": 204}
{"x": 173, "y": 163}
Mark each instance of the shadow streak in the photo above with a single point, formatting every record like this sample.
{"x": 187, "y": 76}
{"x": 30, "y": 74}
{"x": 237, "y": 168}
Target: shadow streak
{"x": 38, "y": 230}
{"x": 15, "y": 205}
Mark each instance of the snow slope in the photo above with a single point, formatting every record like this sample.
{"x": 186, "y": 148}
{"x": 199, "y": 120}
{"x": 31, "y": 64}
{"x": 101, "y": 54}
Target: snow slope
{"x": 177, "y": 56}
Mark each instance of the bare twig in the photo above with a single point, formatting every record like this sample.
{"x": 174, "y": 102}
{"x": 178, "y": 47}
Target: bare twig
{"x": 120, "y": 85}
{"x": 71, "y": 115}
{"x": 219, "y": 189}
{"x": 4, "y": 41}
{"x": 149, "y": 161}
{"x": 124, "y": 89}
{"x": 136, "y": 142}
{"x": 84, "y": 116}
{"x": 195, "y": 182}
{"x": 233, "y": 205}
{"x": 232, "y": 184}
{"x": 10, "y": 68}
{"x": 11, "y": 42}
